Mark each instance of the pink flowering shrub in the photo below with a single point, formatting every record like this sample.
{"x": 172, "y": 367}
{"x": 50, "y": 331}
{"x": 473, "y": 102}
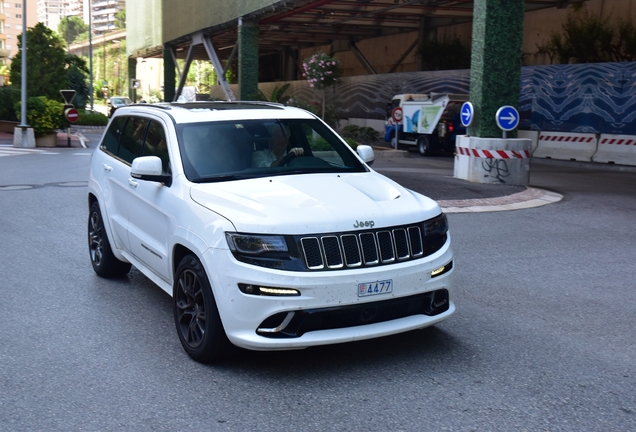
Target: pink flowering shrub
{"x": 321, "y": 71}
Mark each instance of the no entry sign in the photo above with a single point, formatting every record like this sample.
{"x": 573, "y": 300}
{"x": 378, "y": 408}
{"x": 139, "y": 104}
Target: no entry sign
{"x": 71, "y": 114}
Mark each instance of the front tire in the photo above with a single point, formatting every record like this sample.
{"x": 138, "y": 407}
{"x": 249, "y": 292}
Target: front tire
{"x": 104, "y": 262}
{"x": 196, "y": 315}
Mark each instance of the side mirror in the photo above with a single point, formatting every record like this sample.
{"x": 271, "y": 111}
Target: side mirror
{"x": 149, "y": 168}
{"x": 366, "y": 154}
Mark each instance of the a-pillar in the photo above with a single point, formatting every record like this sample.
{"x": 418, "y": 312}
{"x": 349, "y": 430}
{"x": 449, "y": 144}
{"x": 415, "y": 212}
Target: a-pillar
{"x": 248, "y": 60}
{"x": 169, "y": 75}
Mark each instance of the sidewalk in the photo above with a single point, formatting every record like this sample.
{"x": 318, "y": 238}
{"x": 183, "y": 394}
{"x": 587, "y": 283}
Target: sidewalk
{"x": 76, "y": 141}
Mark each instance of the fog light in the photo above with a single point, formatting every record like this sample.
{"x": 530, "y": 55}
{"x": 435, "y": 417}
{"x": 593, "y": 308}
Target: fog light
{"x": 440, "y": 271}
{"x": 267, "y": 291}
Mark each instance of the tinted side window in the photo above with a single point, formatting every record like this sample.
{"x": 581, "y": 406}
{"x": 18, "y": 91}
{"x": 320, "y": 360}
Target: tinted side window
{"x": 112, "y": 136}
{"x": 156, "y": 144}
{"x": 132, "y": 140}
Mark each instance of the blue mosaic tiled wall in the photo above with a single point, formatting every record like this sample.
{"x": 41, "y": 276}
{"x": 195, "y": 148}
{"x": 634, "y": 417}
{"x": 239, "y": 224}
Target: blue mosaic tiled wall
{"x": 589, "y": 98}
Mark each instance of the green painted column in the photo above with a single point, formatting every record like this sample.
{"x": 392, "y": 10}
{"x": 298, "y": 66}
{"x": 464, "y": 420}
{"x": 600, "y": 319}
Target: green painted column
{"x": 495, "y": 70}
{"x": 132, "y": 74}
{"x": 248, "y": 60}
{"x": 169, "y": 76}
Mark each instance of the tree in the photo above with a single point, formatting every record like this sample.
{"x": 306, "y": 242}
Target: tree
{"x": 120, "y": 19}
{"x": 588, "y": 38}
{"x": 321, "y": 71}
{"x": 71, "y": 27}
{"x": 48, "y": 64}
{"x": 77, "y": 74}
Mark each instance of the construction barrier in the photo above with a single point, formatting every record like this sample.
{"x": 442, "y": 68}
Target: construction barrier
{"x": 617, "y": 149}
{"x": 493, "y": 160}
{"x": 532, "y": 135}
{"x": 566, "y": 146}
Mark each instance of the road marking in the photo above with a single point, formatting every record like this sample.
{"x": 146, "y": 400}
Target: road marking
{"x": 9, "y": 150}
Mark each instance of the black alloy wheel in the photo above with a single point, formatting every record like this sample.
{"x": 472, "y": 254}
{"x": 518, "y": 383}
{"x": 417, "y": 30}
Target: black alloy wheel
{"x": 104, "y": 262}
{"x": 196, "y": 315}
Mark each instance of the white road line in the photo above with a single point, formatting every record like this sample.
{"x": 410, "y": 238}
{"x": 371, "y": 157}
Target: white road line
{"x": 9, "y": 150}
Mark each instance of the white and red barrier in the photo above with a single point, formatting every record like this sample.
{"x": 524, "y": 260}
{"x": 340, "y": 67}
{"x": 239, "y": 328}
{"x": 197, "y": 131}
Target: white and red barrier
{"x": 493, "y": 160}
{"x": 566, "y": 146}
{"x": 618, "y": 149}
{"x": 493, "y": 154}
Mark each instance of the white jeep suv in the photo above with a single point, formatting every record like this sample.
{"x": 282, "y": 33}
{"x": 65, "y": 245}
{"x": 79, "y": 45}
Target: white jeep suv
{"x": 310, "y": 247}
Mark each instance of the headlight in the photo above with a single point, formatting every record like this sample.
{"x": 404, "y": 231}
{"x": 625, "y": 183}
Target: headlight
{"x": 436, "y": 226}
{"x": 256, "y": 244}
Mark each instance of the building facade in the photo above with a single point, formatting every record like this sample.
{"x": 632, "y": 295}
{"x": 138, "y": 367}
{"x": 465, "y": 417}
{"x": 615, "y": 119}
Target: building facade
{"x": 104, "y": 12}
{"x": 11, "y": 16}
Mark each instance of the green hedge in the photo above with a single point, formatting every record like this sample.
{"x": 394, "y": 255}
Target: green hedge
{"x": 364, "y": 134}
{"x": 91, "y": 118}
{"x": 45, "y": 116}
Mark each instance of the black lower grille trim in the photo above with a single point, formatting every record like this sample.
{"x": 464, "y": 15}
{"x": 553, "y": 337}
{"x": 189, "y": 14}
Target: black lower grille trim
{"x": 431, "y": 303}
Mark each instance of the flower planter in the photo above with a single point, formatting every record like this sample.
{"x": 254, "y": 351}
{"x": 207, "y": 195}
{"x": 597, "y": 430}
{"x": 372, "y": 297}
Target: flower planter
{"x": 46, "y": 140}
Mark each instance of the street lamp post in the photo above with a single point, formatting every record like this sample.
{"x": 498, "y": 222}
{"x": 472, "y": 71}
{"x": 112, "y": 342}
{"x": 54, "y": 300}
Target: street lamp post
{"x": 23, "y": 108}
{"x": 90, "y": 51}
{"x": 104, "y": 80}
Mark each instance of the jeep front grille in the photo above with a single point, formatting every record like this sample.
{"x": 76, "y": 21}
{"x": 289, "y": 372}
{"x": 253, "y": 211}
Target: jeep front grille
{"x": 368, "y": 248}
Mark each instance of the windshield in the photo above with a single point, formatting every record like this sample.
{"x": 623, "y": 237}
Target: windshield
{"x": 121, "y": 101}
{"x": 221, "y": 151}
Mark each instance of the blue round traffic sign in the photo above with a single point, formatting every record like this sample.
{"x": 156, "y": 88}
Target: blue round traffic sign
{"x": 507, "y": 118}
{"x": 466, "y": 113}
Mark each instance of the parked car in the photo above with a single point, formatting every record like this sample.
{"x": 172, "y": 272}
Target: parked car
{"x": 117, "y": 102}
{"x": 263, "y": 248}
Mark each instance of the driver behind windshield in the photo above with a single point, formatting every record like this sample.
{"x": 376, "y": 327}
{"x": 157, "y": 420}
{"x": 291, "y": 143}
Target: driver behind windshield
{"x": 273, "y": 155}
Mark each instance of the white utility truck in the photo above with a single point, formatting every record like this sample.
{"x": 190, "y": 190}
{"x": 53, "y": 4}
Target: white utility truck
{"x": 430, "y": 122}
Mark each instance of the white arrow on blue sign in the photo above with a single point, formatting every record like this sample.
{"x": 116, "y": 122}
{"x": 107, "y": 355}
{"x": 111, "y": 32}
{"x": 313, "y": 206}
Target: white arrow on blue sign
{"x": 466, "y": 113}
{"x": 507, "y": 118}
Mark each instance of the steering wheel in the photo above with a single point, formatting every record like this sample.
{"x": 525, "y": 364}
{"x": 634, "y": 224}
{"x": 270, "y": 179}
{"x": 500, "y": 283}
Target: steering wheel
{"x": 288, "y": 157}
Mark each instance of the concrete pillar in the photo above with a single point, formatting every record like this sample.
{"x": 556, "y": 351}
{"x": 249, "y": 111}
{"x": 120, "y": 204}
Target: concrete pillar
{"x": 132, "y": 74}
{"x": 169, "y": 75}
{"x": 248, "y": 60}
{"x": 23, "y": 137}
{"x": 495, "y": 70}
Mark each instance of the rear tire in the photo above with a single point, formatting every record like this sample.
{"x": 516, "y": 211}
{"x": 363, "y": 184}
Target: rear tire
{"x": 196, "y": 315}
{"x": 423, "y": 146}
{"x": 104, "y": 262}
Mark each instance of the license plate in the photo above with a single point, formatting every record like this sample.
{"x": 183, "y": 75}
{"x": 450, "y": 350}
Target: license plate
{"x": 373, "y": 288}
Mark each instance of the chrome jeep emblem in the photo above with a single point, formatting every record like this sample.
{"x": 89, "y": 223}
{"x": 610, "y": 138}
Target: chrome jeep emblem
{"x": 363, "y": 224}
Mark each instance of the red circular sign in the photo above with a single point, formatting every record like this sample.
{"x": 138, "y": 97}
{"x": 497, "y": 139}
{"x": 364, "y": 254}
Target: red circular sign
{"x": 397, "y": 114}
{"x": 71, "y": 115}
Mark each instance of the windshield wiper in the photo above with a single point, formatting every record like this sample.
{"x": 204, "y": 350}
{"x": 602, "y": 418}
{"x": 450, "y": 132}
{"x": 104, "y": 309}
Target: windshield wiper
{"x": 223, "y": 177}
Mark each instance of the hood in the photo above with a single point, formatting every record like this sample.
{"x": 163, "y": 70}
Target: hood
{"x": 314, "y": 203}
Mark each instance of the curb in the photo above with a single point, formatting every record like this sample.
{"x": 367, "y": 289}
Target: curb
{"x": 88, "y": 129}
{"x": 530, "y": 198}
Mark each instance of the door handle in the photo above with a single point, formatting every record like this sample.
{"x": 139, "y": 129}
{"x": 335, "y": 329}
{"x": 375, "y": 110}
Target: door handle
{"x": 133, "y": 183}
{"x": 108, "y": 168}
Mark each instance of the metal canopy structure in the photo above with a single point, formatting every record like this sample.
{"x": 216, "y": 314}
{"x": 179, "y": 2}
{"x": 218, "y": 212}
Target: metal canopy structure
{"x": 305, "y": 24}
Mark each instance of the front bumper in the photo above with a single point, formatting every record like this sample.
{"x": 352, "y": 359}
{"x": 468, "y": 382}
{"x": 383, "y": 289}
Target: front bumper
{"x": 327, "y": 295}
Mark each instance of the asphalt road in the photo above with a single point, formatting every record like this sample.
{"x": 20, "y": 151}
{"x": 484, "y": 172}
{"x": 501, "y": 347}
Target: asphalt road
{"x": 543, "y": 337}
